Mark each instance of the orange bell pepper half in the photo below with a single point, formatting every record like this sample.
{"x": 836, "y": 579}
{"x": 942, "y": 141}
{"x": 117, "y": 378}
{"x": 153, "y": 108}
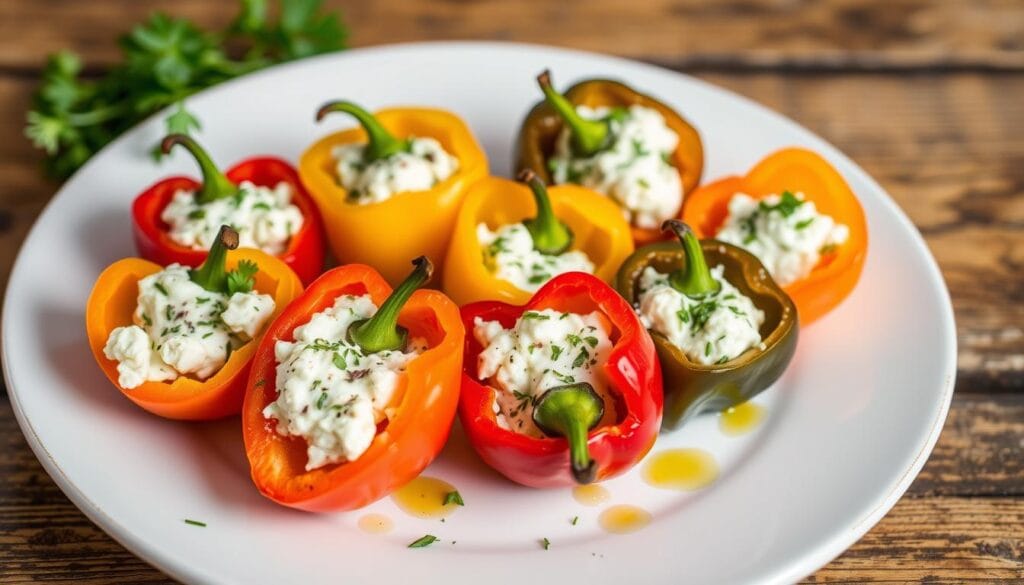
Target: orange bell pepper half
{"x": 596, "y": 223}
{"x": 389, "y": 234}
{"x": 112, "y": 303}
{"x": 418, "y": 420}
{"x": 795, "y": 170}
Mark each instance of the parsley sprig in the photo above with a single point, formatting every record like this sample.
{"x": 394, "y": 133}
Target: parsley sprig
{"x": 165, "y": 60}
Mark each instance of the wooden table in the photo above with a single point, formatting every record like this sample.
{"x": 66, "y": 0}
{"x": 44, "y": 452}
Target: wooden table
{"x": 927, "y": 96}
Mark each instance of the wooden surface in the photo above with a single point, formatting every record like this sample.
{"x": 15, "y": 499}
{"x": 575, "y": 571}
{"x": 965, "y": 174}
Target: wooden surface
{"x": 927, "y": 96}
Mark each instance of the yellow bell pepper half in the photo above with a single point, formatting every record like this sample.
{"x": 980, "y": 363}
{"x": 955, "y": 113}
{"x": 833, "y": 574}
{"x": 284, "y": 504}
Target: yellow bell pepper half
{"x": 597, "y": 224}
{"x": 389, "y": 234}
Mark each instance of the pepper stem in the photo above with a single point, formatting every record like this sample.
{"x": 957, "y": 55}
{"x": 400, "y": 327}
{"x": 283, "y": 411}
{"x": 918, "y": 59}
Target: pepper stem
{"x": 382, "y": 331}
{"x": 380, "y": 142}
{"x": 588, "y": 136}
{"x": 212, "y": 273}
{"x": 550, "y": 235}
{"x": 215, "y": 184}
{"x": 694, "y": 278}
{"x": 571, "y": 411}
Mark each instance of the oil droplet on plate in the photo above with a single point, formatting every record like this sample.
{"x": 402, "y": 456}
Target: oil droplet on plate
{"x": 591, "y": 495}
{"x": 623, "y": 519}
{"x": 376, "y": 524}
{"x": 741, "y": 419}
{"x": 681, "y": 469}
{"x": 424, "y": 497}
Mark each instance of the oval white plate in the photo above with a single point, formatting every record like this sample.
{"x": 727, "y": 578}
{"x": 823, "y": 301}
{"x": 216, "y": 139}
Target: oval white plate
{"x": 847, "y": 428}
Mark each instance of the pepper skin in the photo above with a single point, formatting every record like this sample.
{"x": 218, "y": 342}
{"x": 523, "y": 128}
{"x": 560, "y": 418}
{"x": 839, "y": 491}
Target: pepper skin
{"x": 795, "y": 170}
{"x": 632, "y": 371}
{"x": 112, "y": 303}
{"x": 305, "y": 251}
{"x": 389, "y": 234}
{"x": 542, "y": 126}
{"x": 692, "y": 388}
{"x": 596, "y": 223}
{"x": 418, "y": 421}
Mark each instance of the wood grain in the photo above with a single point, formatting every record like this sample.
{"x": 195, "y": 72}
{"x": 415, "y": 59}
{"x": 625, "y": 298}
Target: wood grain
{"x": 43, "y": 537}
{"x": 872, "y": 34}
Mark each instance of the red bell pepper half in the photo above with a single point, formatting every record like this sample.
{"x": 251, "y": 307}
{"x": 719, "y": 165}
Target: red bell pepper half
{"x": 305, "y": 251}
{"x": 632, "y": 371}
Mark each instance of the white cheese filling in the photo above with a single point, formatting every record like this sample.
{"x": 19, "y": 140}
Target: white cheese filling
{"x": 180, "y": 328}
{"x": 330, "y": 392}
{"x": 423, "y": 165}
{"x": 510, "y": 255}
{"x": 710, "y": 330}
{"x": 544, "y": 349}
{"x": 634, "y": 169}
{"x": 265, "y": 218}
{"x": 785, "y": 232}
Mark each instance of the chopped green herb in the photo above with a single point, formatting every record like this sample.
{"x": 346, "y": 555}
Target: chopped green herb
{"x": 591, "y": 340}
{"x": 556, "y": 350}
{"x": 207, "y": 334}
{"x": 787, "y": 205}
{"x": 722, "y": 359}
{"x": 545, "y": 543}
{"x": 423, "y": 541}
{"x": 644, "y": 183}
{"x": 573, "y": 339}
{"x": 160, "y": 288}
{"x": 261, "y": 205}
{"x": 575, "y": 519}
{"x": 147, "y": 320}
{"x": 534, "y": 316}
{"x": 539, "y": 278}
{"x": 339, "y": 361}
{"x": 197, "y": 214}
{"x": 707, "y": 349}
{"x": 195, "y": 522}
{"x": 562, "y": 377}
{"x": 803, "y": 224}
{"x": 453, "y": 497}
{"x": 202, "y": 300}
{"x": 241, "y": 279}
{"x": 581, "y": 358}
{"x": 321, "y": 401}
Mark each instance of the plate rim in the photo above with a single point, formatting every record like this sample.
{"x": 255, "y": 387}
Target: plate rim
{"x": 792, "y": 570}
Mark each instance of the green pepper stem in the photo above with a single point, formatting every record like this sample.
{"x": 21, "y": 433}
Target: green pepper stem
{"x": 571, "y": 411}
{"x": 215, "y": 184}
{"x": 212, "y": 273}
{"x": 380, "y": 142}
{"x": 694, "y": 278}
{"x": 588, "y": 136}
{"x": 382, "y": 331}
{"x": 550, "y": 235}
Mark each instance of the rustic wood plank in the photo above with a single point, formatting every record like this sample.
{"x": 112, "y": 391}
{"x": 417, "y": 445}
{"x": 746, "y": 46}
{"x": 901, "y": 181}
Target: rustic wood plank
{"x": 947, "y": 147}
{"x": 951, "y": 537}
{"x": 863, "y": 34}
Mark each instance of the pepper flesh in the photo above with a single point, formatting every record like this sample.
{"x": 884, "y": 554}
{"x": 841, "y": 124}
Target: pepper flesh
{"x": 304, "y": 253}
{"x": 795, "y": 170}
{"x": 690, "y": 387}
{"x": 418, "y": 419}
{"x": 390, "y": 233}
{"x": 112, "y": 304}
{"x": 596, "y": 223}
{"x": 542, "y": 126}
{"x": 632, "y": 372}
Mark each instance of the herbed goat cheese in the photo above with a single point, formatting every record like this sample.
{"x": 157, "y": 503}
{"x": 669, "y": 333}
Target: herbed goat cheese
{"x": 711, "y": 330}
{"x": 424, "y": 164}
{"x": 510, "y": 255}
{"x": 544, "y": 349}
{"x": 330, "y": 392}
{"x": 634, "y": 169}
{"x": 264, "y": 217}
{"x": 785, "y": 232}
{"x": 180, "y": 328}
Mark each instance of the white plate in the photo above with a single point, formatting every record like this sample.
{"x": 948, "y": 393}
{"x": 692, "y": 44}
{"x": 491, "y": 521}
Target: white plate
{"x": 847, "y": 429}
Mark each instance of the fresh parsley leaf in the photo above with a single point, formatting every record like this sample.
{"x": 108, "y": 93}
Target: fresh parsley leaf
{"x": 165, "y": 60}
{"x": 242, "y": 278}
{"x": 423, "y": 541}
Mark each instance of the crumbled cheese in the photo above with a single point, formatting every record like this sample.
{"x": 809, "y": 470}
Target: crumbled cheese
{"x": 784, "y": 231}
{"x": 180, "y": 328}
{"x": 634, "y": 169}
{"x": 264, "y": 217}
{"x": 330, "y": 392}
{"x": 423, "y": 165}
{"x": 510, "y": 255}
{"x": 710, "y": 330}
{"x": 544, "y": 349}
